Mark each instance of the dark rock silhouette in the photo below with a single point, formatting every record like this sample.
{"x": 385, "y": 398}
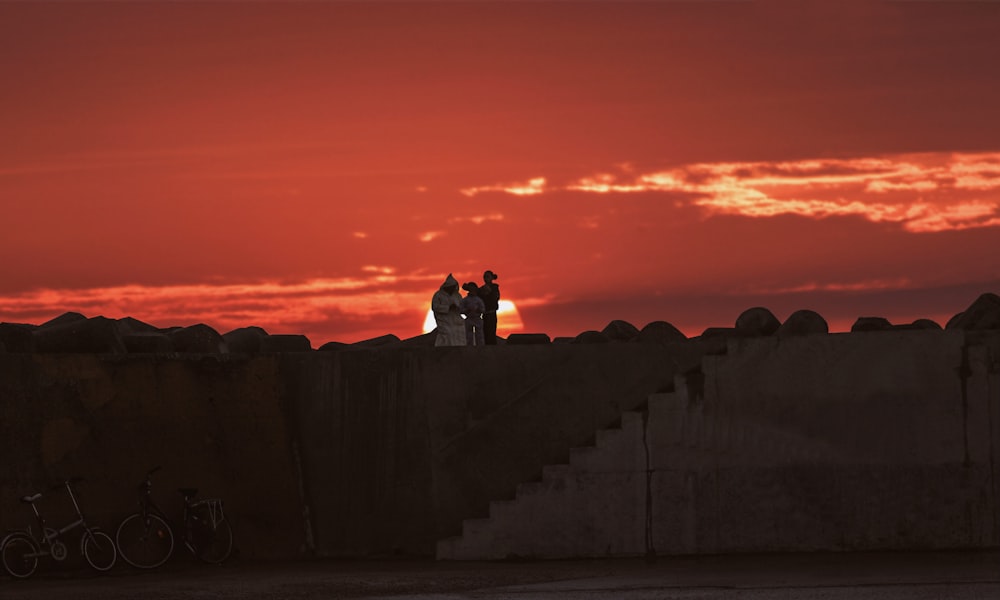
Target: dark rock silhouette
{"x": 871, "y": 324}
{"x": 720, "y": 332}
{"x": 923, "y": 324}
{"x": 69, "y": 334}
{"x": 756, "y": 322}
{"x": 66, "y": 317}
{"x": 285, "y": 343}
{"x": 127, "y": 325}
{"x": 197, "y": 339}
{"x": 803, "y": 322}
{"x": 660, "y": 332}
{"x": 591, "y": 337}
{"x": 244, "y": 340}
{"x": 522, "y": 339}
{"x": 984, "y": 313}
{"x": 620, "y": 331}
{"x": 72, "y": 332}
{"x": 378, "y": 342}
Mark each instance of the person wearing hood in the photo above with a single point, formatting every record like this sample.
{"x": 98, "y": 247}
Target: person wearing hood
{"x": 447, "y": 308}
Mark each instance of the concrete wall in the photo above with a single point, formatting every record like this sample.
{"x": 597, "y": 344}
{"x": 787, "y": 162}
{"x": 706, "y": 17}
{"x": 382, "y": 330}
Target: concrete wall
{"x": 847, "y": 441}
{"x": 398, "y": 446}
{"x": 883, "y": 440}
{"x": 211, "y": 422}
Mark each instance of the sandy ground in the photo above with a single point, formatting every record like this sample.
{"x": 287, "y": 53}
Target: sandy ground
{"x": 758, "y": 577}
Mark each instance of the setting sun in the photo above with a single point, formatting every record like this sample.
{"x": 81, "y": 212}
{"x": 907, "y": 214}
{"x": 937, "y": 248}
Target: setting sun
{"x": 508, "y": 320}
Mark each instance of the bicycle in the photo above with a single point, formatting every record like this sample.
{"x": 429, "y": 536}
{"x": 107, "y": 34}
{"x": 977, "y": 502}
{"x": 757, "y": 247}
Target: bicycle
{"x": 21, "y": 549}
{"x": 145, "y": 539}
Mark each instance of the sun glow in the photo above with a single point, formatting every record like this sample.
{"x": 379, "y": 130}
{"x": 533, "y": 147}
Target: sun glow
{"x": 508, "y": 320}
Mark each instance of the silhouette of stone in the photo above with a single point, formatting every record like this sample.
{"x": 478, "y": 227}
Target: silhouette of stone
{"x": 3, "y": 348}
{"x": 147, "y": 342}
{"x": 377, "y": 342}
{"x": 66, "y": 317}
{"x": 16, "y": 337}
{"x": 423, "y": 340}
{"x": 803, "y": 322}
{"x": 334, "y": 346}
{"x": 127, "y": 325}
{"x": 924, "y": 324}
{"x": 984, "y": 313}
{"x": 285, "y": 343}
{"x": 620, "y": 331}
{"x": 197, "y": 339}
{"x": 720, "y": 332}
{"x": 524, "y": 339}
{"x": 871, "y": 324}
{"x": 98, "y": 335}
{"x": 756, "y": 322}
{"x": 562, "y": 339}
{"x": 660, "y": 332}
{"x": 244, "y": 340}
{"x": 591, "y": 337}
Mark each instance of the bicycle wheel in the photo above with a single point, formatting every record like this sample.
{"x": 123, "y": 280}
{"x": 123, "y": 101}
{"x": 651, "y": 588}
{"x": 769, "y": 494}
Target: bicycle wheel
{"x": 144, "y": 543}
{"x": 99, "y": 550}
{"x": 211, "y": 538}
{"x": 20, "y": 555}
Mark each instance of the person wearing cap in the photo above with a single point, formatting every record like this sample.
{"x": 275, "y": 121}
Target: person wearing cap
{"x": 472, "y": 308}
{"x": 447, "y": 308}
{"x": 490, "y": 293}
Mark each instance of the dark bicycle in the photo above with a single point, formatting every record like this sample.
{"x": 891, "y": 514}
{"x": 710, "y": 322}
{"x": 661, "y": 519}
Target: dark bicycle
{"x": 145, "y": 538}
{"x": 22, "y": 549}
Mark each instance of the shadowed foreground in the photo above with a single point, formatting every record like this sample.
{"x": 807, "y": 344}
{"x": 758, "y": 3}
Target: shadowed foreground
{"x": 829, "y": 576}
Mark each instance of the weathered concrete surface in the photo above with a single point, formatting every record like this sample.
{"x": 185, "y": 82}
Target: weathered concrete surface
{"x": 868, "y": 441}
{"x": 399, "y": 445}
{"x": 211, "y": 422}
{"x": 881, "y": 439}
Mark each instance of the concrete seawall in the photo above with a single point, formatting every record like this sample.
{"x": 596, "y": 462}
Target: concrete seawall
{"x": 374, "y": 451}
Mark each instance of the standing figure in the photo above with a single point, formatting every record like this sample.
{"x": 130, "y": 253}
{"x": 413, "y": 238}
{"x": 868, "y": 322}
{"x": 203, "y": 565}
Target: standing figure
{"x": 490, "y": 293}
{"x": 447, "y": 308}
{"x": 472, "y": 308}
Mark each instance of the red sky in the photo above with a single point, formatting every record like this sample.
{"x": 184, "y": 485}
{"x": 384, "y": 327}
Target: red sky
{"x": 320, "y": 167}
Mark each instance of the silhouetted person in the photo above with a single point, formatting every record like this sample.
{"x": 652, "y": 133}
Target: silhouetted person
{"x": 472, "y": 308}
{"x": 447, "y": 308}
{"x": 490, "y": 293}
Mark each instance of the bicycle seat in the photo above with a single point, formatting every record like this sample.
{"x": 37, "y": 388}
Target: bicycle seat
{"x": 30, "y": 499}
{"x": 188, "y": 492}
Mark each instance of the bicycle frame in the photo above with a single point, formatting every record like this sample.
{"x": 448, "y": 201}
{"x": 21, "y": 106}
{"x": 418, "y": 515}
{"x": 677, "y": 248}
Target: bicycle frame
{"x": 49, "y": 539}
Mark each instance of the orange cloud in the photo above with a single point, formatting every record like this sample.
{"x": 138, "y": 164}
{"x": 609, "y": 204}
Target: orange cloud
{"x": 532, "y": 187}
{"x": 922, "y": 193}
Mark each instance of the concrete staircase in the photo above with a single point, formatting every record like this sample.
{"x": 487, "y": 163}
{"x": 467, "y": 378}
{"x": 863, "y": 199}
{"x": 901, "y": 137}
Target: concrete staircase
{"x": 609, "y": 500}
{"x": 594, "y": 506}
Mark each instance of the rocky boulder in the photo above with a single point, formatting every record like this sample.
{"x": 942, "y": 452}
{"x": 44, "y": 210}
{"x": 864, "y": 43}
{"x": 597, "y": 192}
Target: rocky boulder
{"x": 660, "y": 332}
{"x": 16, "y": 337}
{"x": 621, "y": 331}
{"x": 757, "y": 322}
{"x": 803, "y": 322}
{"x": 591, "y": 337}
{"x": 871, "y": 324}
{"x": 285, "y": 343}
{"x": 984, "y": 313}
{"x": 244, "y": 340}
{"x": 197, "y": 339}
{"x": 69, "y": 334}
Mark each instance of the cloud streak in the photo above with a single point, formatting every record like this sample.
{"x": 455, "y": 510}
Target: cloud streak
{"x": 921, "y": 193}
